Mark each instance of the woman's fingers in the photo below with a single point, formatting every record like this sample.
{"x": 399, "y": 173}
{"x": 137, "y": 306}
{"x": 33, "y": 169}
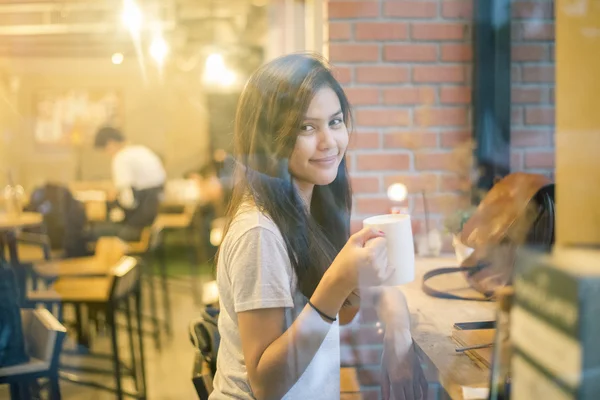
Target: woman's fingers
{"x": 364, "y": 235}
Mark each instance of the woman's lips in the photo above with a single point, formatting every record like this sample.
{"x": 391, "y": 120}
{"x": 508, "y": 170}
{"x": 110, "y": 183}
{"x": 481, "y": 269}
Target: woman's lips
{"x": 325, "y": 161}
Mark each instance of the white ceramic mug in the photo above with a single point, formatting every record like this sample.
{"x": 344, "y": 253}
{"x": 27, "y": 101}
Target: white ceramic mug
{"x": 400, "y": 246}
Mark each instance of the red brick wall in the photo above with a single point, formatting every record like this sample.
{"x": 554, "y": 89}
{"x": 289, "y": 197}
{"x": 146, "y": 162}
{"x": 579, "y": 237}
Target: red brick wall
{"x": 532, "y": 136}
{"x": 406, "y": 66}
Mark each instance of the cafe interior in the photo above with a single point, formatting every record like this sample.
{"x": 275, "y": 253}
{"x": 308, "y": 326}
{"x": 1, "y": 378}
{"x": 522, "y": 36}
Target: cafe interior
{"x": 475, "y": 121}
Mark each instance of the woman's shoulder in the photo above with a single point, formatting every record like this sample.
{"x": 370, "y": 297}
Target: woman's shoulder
{"x": 249, "y": 219}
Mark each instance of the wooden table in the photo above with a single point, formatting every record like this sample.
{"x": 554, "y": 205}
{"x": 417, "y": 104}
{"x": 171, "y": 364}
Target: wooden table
{"x": 432, "y": 322}
{"x": 11, "y": 222}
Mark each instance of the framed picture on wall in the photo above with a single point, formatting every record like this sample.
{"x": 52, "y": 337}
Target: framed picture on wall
{"x": 70, "y": 117}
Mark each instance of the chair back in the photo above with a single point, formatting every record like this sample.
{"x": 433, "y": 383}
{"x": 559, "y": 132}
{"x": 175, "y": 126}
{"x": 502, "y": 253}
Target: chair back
{"x": 110, "y": 250}
{"x": 126, "y": 278}
{"x": 43, "y": 335}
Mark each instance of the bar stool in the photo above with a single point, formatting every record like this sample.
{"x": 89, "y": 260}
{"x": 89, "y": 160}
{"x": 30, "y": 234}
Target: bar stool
{"x": 114, "y": 293}
{"x": 149, "y": 249}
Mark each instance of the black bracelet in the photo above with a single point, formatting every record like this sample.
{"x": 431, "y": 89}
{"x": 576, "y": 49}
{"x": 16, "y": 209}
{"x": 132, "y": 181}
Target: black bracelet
{"x": 321, "y": 313}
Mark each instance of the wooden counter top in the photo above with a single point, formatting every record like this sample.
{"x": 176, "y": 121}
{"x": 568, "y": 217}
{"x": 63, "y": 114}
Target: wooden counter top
{"x": 432, "y": 322}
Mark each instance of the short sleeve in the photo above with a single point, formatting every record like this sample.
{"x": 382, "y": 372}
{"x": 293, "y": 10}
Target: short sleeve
{"x": 121, "y": 171}
{"x": 259, "y": 271}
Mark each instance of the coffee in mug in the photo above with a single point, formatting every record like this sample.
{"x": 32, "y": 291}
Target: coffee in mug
{"x": 400, "y": 246}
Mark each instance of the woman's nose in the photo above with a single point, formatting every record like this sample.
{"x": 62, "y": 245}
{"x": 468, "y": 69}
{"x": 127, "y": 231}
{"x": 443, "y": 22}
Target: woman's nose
{"x": 327, "y": 139}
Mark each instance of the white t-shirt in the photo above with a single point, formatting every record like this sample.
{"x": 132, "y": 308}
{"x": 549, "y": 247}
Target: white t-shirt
{"x": 137, "y": 167}
{"x": 254, "y": 272}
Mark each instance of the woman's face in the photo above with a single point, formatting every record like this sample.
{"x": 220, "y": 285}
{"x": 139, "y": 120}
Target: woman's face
{"x": 321, "y": 141}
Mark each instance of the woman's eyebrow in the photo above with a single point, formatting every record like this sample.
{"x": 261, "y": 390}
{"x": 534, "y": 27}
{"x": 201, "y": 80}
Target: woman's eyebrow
{"x": 331, "y": 116}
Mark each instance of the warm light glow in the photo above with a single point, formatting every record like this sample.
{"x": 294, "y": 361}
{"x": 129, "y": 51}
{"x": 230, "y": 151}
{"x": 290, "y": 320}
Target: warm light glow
{"x": 216, "y": 72}
{"x": 159, "y": 49}
{"x": 397, "y": 192}
{"x": 132, "y": 16}
{"x": 117, "y": 58}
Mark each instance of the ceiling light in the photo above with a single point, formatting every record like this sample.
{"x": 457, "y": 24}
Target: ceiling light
{"x": 117, "y": 58}
{"x": 159, "y": 49}
{"x": 216, "y": 72}
{"x": 132, "y": 16}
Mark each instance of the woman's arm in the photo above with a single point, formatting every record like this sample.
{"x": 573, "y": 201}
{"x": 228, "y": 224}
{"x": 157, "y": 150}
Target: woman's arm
{"x": 275, "y": 361}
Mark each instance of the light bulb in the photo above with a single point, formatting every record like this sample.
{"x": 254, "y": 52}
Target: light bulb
{"x": 397, "y": 192}
{"x": 132, "y": 16}
{"x": 117, "y": 58}
{"x": 159, "y": 49}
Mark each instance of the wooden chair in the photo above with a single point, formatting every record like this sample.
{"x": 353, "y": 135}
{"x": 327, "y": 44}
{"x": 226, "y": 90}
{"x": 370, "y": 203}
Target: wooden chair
{"x": 114, "y": 293}
{"x": 185, "y": 221}
{"x": 43, "y": 340}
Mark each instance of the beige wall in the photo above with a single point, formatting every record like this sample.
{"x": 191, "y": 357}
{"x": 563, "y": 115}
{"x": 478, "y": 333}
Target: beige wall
{"x": 578, "y": 122}
{"x": 167, "y": 115}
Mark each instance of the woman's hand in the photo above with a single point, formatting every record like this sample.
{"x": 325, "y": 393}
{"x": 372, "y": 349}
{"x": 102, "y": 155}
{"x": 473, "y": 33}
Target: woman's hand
{"x": 402, "y": 375}
{"x": 363, "y": 260}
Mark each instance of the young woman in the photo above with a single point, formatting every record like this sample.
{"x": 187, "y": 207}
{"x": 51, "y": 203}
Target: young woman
{"x": 287, "y": 268}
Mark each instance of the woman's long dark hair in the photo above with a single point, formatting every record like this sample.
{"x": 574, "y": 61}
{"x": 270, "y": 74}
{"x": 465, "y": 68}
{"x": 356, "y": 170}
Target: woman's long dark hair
{"x": 270, "y": 113}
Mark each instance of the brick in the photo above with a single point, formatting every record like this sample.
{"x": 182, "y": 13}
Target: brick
{"x": 369, "y": 377}
{"x": 355, "y": 225}
{"x": 447, "y": 116}
{"x": 364, "y": 140}
{"x": 434, "y": 160}
{"x": 457, "y": 52}
{"x": 516, "y": 161}
{"x": 454, "y": 183}
{"x": 353, "y": 9}
{"x": 385, "y": 117}
{"x": 538, "y": 31}
{"x": 381, "y": 30}
{"x": 532, "y": 10}
{"x": 410, "y": 140}
{"x": 362, "y": 334}
{"x": 409, "y": 95}
{"x": 539, "y": 159}
{"x": 455, "y": 138}
{"x": 552, "y": 96}
{"x": 515, "y": 73}
{"x": 342, "y": 52}
{"x": 527, "y": 95}
{"x": 442, "y": 203}
{"x": 410, "y": 52}
{"x": 340, "y": 31}
{"x": 516, "y": 115}
{"x": 438, "y": 31}
{"x": 365, "y": 184}
{"x": 539, "y": 116}
{"x": 351, "y": 356}
{"x": 438, "y": 73}
{"x": 516, "y": 32}
{"x": 530, "y": 137}
{"x": 414, "y": 183}
{"x": 457, "y": 9}
{"x": 455, "y": 95}
{"x": 538, "y": 73}
{"x": 343, "y": 74}
{"x": 373, "y": 206}
{"x": 410, "y": 9}
{"x": 529, "y": 52}
{"x": 383, "y": 162}
{"x": 382, "y": 74}
{"x": 362, "y": 96}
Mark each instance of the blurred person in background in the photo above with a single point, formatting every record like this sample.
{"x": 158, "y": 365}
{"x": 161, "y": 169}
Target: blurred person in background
{"x": 138, "y": 176}
{"x": 288, "y": 271}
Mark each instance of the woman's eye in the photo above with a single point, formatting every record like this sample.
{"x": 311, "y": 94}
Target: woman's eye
{"x": 336, "y": 122}
{"x": 307, "y": 128}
